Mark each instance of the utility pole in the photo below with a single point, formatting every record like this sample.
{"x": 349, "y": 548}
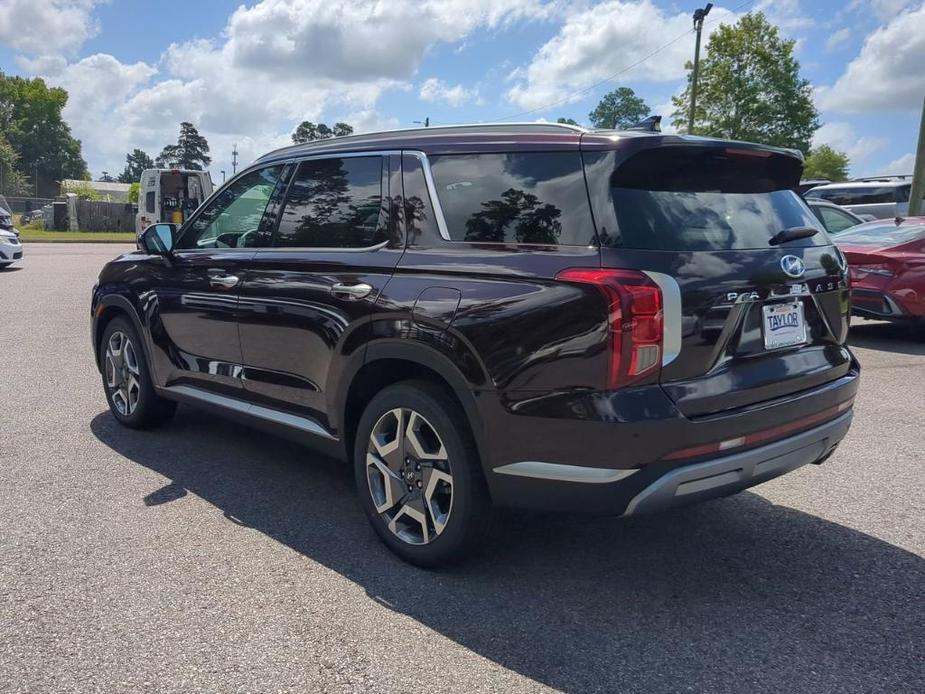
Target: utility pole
{"x": 234, "y": 158}
{"x": 36, "y": 179}
{"x": 917, "y": 192}
{"x": 699, "y": 16}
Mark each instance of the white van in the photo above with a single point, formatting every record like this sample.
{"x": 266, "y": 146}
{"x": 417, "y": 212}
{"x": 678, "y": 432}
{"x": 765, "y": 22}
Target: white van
{"x": 170, "y": 195}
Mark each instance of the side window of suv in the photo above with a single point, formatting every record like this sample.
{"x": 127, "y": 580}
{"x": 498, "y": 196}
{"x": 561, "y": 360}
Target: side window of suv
{"x": 334, "y": 203}
{"x": 235, "y": 217}
{"x": 531, "y": 197}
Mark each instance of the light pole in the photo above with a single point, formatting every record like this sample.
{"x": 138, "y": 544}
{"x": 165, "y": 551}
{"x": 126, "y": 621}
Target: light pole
{"x": 699, "y": 16}
{"x": 918, "y": 172}
{"x": 223, "y": 175}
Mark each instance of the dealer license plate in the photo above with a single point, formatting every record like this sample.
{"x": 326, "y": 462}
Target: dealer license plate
{"x": 783, "y": 325}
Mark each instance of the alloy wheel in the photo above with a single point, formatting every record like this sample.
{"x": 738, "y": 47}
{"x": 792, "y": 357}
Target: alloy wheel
{"x": 122, "y": 373}
{"x": 409, "y": 476}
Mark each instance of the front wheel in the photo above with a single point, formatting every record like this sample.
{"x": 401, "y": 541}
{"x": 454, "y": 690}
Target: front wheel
{"x": 127, "y": 381}
{"x": 418, "y": 475}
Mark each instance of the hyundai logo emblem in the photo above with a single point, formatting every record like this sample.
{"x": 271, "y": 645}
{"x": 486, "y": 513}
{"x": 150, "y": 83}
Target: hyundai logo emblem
{"x": 792, "y": 266}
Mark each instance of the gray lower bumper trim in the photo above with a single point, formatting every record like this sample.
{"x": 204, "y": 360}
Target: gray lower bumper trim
{"x": 732, "y": 473}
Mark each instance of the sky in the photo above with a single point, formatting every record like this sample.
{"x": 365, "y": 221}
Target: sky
{"x": 247, "y": 73}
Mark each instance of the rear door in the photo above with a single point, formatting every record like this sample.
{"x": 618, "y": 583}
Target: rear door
{"x": 754, "y": 321}
{"x": 304, "y": 297}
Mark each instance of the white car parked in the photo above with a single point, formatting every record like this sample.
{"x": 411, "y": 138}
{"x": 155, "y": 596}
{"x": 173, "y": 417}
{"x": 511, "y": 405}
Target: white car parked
{"x": 10, "y": 247}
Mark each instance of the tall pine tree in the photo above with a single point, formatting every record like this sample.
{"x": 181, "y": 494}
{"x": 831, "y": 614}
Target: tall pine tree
{"x": 190, "y": 152}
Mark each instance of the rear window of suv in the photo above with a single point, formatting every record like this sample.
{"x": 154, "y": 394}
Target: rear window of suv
{"x": 697, "y": 199}
{"x": 531, "y": 197}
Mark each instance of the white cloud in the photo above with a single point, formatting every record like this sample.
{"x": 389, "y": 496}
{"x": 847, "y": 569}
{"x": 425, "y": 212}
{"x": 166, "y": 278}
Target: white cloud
{"x": 370, "y": 121}
{"x": 596, "y": 42}
{"x": 842, "y": 136}
{"x": 276, "y": 63}
{"x": 47, "y": 27}
{"x": 884, "y": 10}
{"x": 901, "y": 165}
{"x": 887, "y": 73}
{"x": 436, "y": 90}
{"x": 787, "y": 14}
{"x": 837, "y": 38}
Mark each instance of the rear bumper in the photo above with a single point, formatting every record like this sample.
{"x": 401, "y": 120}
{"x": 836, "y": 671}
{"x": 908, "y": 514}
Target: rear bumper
{"x": 629, "y": 461}
{"x": 730, "y": 474}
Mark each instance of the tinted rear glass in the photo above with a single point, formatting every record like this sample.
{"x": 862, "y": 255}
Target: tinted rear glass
{"x": 882, "y": 235}
{"x": 868, "y": 195}
{"x": 697, "y": 199}
{"x": 533, "y": 197}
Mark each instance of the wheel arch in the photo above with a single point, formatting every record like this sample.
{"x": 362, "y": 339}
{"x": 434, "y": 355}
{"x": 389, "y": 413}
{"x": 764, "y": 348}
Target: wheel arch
{"x": 393, "y": 361}
{"x": 108, "y": 309}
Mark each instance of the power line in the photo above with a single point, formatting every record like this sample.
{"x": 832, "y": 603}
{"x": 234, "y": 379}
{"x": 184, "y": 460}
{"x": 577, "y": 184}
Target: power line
{"x": 583, "y": 90}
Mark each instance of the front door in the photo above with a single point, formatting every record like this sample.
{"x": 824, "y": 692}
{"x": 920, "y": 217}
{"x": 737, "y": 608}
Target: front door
{"x": 305, "y": 296}
{"x": 194, "y": 312}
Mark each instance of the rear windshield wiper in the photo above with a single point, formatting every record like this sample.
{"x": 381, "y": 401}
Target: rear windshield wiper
{"x": 792, "y": 234}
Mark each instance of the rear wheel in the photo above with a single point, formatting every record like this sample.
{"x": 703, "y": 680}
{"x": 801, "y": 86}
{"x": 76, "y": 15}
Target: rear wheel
{"x": 126, "y": 379}
{"x": 418, "y": 475}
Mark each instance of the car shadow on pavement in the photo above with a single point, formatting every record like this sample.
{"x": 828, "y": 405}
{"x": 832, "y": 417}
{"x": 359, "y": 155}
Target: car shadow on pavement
{"x": 901, "y": 338}
{"x": 735, "y": 595}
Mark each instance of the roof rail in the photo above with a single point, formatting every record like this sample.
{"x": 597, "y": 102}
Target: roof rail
{"x": 885, "y": 178}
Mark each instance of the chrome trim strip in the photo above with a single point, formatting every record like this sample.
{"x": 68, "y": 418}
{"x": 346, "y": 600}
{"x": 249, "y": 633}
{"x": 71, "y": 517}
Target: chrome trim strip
{"x": 294, "y": 422}
{"x": 671, "y": 298}
{"x": 432, "y": 191}
{"x": 563, "y": 473}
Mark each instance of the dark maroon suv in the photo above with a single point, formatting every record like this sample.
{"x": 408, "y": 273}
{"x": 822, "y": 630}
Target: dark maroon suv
{"x": 498, "y": 315}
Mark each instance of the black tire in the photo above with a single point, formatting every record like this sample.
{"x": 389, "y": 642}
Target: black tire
{"x": 149, "y": 409}
{"x": 469, "y": 518}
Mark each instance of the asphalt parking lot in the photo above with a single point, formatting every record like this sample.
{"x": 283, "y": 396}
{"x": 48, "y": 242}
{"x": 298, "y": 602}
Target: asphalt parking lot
{"x": 208, "y": 557}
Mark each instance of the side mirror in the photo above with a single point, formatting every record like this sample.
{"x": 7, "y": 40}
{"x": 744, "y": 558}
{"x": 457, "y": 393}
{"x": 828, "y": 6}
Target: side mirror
{"x": 158, "y": 239}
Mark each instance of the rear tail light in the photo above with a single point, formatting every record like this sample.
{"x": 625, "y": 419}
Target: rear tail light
{"x": 635, "y": 318}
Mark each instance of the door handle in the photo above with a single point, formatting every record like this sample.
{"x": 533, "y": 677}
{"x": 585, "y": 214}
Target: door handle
{"x": 223, "y": 281}
{"x": 354, "y": 291}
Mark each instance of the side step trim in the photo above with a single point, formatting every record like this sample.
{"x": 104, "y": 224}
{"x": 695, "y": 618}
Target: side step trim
{"x": 563, "y": 473}
{"x": 292, "y": 421}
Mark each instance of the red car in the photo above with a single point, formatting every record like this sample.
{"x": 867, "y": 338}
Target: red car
{"x": 886, "y": 261}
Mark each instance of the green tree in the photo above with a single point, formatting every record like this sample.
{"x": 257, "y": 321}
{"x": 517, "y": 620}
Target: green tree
{"x": 133, "y": 190}
{"x": 135, "y": 163}
{"x": 190, "y": 152}
{"x": 12, "y": 182}
{"x": 620, "y": 108}
{"x": 567, "y": 121}
{"x": 828, "y": 163}
{"x": 309, "y": 132}
{"x": 750, "y": 88}
{"x": 30, "y": 119}
{"x": 106, "y": 178}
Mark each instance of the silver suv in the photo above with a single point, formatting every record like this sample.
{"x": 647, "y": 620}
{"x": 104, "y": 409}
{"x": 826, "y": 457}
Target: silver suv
{"x": 882, "y": 197}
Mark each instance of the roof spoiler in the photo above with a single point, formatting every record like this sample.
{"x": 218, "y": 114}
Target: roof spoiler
{"x": 652, "y": 124}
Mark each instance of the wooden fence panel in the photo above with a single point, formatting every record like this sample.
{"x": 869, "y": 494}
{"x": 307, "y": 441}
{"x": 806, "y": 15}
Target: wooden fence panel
{"x": 93, "y": 215}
